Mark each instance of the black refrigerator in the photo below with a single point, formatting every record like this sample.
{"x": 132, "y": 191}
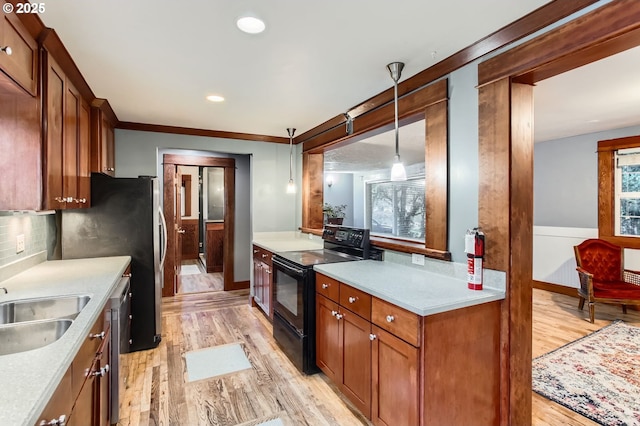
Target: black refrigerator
{"x": 125, "y": 219}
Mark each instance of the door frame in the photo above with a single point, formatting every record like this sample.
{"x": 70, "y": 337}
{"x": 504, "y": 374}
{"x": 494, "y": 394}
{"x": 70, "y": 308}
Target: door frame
{"x": 169, "y": 164}
{"x": 505, "y": 209}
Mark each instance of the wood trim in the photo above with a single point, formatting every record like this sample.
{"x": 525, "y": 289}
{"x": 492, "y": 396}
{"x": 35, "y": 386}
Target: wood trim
{"x": 598, "y": 34}
{"x": 436, "y": 178}
{"x": 408, "y": 105}
{"x": 619, "y": 143}
{"x": 404, "y": 246}
{"x": 104, "y": 106}
{"x": 555, "y": 288}
{"x": 169, "y": 287}
{"x": 52, "y": 43}
{"x": 312, "y": 190}
{"x": 528, "y": 24}
{"x": 176, "y": 130}
{"x": 188, "y": 160}
{"x": 241, "y": 285}
{"x": 229, "y": 228}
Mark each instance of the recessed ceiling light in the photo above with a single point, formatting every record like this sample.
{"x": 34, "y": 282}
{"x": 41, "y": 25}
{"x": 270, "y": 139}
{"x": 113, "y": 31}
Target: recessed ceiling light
{"x": 215, "y": 98}
{"x": 250, "y": 24}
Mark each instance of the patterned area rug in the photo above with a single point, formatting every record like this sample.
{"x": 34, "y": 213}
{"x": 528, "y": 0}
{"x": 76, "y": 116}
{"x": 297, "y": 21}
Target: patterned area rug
{"x": 597, "y": 376}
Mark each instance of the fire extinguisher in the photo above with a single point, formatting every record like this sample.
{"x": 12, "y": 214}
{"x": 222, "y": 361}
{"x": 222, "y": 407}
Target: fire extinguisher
{"x": 474, "y": 247}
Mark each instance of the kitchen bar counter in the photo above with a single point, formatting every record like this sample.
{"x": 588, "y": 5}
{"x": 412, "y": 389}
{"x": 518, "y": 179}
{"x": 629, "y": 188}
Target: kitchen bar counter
{"x": 419, "y": 291}
{"x": 28, "y": 379}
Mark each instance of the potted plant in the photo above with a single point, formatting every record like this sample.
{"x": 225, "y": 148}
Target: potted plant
{"x": 335, "y": 214}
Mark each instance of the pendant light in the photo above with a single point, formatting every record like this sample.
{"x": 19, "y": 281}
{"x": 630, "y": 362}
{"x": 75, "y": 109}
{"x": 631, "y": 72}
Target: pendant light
{"x": 398, "y": 173}
{"x": 291, "y": 187}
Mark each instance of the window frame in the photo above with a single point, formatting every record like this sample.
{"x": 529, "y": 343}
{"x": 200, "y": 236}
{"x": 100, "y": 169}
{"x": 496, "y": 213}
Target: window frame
{"x": 607, "y": 190}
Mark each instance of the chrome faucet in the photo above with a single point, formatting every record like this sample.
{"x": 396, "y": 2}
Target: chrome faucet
{"x": 5, "y": 290}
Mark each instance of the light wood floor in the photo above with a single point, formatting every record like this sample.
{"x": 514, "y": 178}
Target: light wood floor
{"x": 202, "y": 282}
{"x": 157, "y": 393}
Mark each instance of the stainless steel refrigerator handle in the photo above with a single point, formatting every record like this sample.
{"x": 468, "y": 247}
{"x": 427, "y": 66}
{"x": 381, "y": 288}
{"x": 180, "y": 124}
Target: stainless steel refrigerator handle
{"x": 164, "y": 237}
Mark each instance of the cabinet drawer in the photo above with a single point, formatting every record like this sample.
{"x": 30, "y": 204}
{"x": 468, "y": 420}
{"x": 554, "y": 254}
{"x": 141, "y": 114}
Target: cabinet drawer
{"x": 262, "y": 255}
{"x": 397, "y": 321}
{"x": 328, "y": 287}
{"x": 356, "y": 301}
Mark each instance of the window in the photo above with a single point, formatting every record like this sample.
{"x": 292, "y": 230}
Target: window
{"x": 627, "y": 192}
{"x": 397, "y": 208}
{"x": 619, "y": 191}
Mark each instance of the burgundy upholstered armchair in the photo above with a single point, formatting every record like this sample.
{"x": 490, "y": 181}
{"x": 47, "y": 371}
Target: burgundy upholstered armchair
{"x": 603, "y": 277}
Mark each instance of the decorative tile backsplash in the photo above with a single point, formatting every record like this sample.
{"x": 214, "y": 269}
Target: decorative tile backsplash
{"x": 38, "y": 230}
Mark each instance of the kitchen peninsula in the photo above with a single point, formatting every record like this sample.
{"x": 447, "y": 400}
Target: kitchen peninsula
{"x": 411, "y": 346}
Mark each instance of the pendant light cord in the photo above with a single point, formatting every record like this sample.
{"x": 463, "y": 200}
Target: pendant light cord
{"x": 395, "y": 97}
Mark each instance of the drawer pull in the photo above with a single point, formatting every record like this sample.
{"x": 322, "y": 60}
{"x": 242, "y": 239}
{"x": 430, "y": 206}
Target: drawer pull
{"x": 264, "y": 255}
{"x": 325, "y": 286}
{"x": 60, "y": 421}
{"x": 97, "y": 336}
{"x": 390, "y": 318}
{"x": 339, "y": 316}
{"x": 255, "y": 251}
{"x": 334, "y": 313}
{"x": 372, "y": 337}
{"x": 102, "y": 372}
{"x": 352, "y": 299}
{"x": 8, "y": 51}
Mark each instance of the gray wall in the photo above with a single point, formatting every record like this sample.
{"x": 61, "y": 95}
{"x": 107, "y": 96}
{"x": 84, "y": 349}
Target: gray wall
{"x": 565, "y": 184}
{"x": 341, "y": 192}
{"x": 39, "y": 232}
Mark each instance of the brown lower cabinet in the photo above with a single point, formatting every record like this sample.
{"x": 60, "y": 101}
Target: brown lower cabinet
{"x": 399, "y": 368}
{"x": 263, "y": 280}
{"x": 82, "y": 397}
{"x": 215, "y": 247}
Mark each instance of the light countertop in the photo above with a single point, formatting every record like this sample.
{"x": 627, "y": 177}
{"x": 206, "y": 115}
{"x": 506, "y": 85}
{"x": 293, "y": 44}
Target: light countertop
{"x": 34, "y": 375}
{"x": 287, "y": 241}
{"x": 417, "y": 290}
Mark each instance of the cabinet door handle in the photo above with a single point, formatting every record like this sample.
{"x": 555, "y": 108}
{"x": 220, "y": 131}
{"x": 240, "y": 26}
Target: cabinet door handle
{"x": 390, "y": 318}
{"x": 9, "y": 52}
{"x": 111, "y": 169}
{"x": 182, "y": 231}
{"x": 325, "y": 286}
{"x": 352, "y": 299}
{"x": 60, "y": 421}
{"x": 339, "y": 316}
{"x": 80, "y": 200}
{"x": 255, "y": 251}
{"x": 334, "y": 313}
{"x": 372, "y": 337}
{"x": 268, "y": 271}
{"x": 97, "y": 336}
{"x": 102, "y": 372}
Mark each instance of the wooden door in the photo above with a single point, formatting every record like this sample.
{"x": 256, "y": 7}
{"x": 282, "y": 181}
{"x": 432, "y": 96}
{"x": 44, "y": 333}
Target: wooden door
{"x": 179, "y": 231}
{"x": 328, "y": 339}
{"x": 395, "y": 395}
{"x": 356, "y": 369}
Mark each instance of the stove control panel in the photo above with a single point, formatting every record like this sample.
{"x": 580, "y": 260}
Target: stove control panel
{"x": 346, "y": 236}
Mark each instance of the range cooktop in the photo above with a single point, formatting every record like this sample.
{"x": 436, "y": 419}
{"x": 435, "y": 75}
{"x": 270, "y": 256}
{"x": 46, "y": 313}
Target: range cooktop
{"x": 316, "y": 257}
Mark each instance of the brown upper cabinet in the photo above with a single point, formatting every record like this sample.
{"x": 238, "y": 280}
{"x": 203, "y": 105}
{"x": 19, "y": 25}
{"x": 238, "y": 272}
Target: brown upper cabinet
{"x": 67, "y": 139}
{"x": 18, "y": 55}
{"x": 103, "y": 121}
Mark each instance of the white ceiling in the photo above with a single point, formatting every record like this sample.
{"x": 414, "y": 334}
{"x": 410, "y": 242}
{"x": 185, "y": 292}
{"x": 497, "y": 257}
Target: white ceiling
{"x": 155, "y": 60}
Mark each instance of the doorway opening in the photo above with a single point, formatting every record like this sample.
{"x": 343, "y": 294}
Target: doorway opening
{"x": 202, "y": 217}
{"x": 201, "y": 242}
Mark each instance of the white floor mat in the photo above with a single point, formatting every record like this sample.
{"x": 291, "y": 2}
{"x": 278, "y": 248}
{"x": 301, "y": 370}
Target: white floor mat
{"x": 189, "y": 270}
{"x": 216, "y": 361}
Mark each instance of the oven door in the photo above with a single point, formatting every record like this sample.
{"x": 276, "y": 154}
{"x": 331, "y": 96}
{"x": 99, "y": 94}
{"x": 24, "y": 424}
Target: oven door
{"x": 289, "y": 281}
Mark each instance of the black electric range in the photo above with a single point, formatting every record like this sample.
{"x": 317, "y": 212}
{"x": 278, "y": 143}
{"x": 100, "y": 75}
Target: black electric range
{"x": 294, "y": 319}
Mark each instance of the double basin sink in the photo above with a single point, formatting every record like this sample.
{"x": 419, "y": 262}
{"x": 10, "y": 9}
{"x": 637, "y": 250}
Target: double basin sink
{"x": 27, "y": 324}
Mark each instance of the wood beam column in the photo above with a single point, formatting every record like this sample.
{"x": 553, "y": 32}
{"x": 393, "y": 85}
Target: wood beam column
{"x": 505, "y": 212}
